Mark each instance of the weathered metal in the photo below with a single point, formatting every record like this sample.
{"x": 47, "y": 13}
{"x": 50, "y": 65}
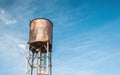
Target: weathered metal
{"x": 40, "y": 30}
{"x": 40, "y": 33}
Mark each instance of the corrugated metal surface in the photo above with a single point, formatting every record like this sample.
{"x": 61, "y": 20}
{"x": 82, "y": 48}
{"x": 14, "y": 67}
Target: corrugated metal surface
{"x": 40, "y": 31}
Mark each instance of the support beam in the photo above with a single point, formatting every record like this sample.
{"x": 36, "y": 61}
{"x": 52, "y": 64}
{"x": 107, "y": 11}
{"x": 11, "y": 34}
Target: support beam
{"x": 39, "y": 63}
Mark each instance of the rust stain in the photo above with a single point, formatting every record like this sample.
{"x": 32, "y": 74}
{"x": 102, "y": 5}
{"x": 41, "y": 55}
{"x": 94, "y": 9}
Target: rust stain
{"x": 40, "y": 31}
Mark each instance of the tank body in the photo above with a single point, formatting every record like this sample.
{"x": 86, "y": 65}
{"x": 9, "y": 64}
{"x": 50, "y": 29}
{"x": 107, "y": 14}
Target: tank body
{"x": 40, "y": 32}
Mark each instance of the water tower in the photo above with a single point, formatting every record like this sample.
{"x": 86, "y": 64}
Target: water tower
{"x": 39, "y": 56}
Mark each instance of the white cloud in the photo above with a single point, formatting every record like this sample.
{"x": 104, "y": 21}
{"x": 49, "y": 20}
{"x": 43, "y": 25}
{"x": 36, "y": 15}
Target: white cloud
{"x": 63, "y": 69}
{"x": 8, "y": 21}
{"x": 22, "y": 45}
{"x": 12, "y": 53}
{"x": 95, "y": 48}
{"x": 17, "y": 43}
{"x": 2, "y": 11}
{"x": 6, "y": 17}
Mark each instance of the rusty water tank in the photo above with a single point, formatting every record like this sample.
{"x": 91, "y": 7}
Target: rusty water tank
{"x": 40, "y": 33}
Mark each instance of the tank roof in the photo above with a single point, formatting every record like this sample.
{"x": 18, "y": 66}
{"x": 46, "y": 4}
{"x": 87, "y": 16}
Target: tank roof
{"x": 43, "y": 19}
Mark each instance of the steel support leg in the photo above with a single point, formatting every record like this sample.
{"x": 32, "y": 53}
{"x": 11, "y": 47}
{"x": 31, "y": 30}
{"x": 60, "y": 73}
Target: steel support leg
{"x": 39, "y": 63}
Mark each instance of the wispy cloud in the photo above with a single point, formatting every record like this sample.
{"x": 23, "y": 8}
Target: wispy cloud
{"x": 17, "y": 43}
{"x": 75, "y": 55}
{"x": 63, "y": 70}
{"x": 82, "y": 52}
{"x": 12, "y": 54}
{"x": 6, "y": 17}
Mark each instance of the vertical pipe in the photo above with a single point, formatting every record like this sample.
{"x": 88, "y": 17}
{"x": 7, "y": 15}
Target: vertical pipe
{"x": 50, "y": 63}
{"x": 47, "y": 62}
{"x": 44, "y": 63}
{"x": 26, "y": 71}
{"x": 32, "y": 64}
{"x": 38, "y": 63}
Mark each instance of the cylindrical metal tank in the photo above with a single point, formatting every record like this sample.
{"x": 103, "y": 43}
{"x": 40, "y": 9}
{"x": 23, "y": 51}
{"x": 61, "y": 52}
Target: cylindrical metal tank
{"x": 40, "y": 32}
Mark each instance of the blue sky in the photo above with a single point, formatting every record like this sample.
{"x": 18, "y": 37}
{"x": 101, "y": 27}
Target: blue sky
{"x": 86, "y": 36}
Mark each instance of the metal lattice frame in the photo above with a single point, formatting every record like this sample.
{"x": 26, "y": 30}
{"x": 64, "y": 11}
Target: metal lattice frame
{"x": 39, "y": 63}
